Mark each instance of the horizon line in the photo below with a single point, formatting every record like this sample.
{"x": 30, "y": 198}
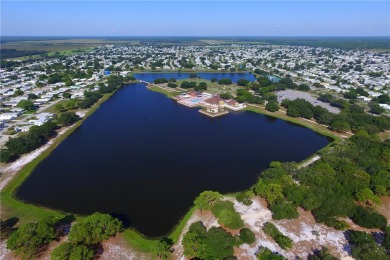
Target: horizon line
{"x": 199, "y": 36}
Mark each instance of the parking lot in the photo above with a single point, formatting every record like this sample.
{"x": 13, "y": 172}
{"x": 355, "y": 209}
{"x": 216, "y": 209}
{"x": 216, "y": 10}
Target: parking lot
{"x": 294, "y": 94}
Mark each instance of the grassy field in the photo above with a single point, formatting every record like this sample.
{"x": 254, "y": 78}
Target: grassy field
{"x": 214, "y": 87}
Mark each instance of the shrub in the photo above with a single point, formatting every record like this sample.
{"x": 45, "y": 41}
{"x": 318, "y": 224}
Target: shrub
{"x": 227, "y": 216}
{"x": 283, "y": 241}
{"x": 247, "y": 236}
{"x": 67, "y": 118}
{"x": 368, "y": 218}
{"x": 266, "y": 254}
{"x": 282, "y": 209}
{"x": 272, "y": 106}
{"x": 244, "y": 198}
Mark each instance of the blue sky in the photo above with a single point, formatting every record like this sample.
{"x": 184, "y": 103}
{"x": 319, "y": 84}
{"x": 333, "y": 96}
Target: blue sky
{"x": 198, "y": 18}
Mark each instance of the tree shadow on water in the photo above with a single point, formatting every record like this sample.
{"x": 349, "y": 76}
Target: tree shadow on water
{"x": 126, "y": 221}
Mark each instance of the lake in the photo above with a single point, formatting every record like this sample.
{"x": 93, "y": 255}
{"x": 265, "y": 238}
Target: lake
{"x": 150, "y": 77}
{"x": 145, "y": 158}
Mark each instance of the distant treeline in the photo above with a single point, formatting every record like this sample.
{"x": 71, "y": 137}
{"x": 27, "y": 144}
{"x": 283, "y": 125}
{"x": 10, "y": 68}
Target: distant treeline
{"x": 334, "y": 42}
{"x": 13, "y": 53}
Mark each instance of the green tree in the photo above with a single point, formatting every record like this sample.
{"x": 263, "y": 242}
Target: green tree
{"x": 367, "y": 196}
{"x": 247, "y": 236}
{"x": 375, "y": 108}
{"x": 266, "y": 254}
{"x": 271, "y": 192}
{"x": 94, "y": 229}
{"x": 193, "y": 240}
{"x": 160, "y": 248}
{"x": 207, "y": 199}
{"x": 70, "y": 251}
{"x": 283, "y": 241}
{"x": 31, "y": 237}
{"x": 67, "y": 95}
{"x": 59, "y": 107}
{"x": 67, "y": 118}
{"x": 26, "y": 104}
{"x": 18, "y": 92}
{"x": 322, "y": 254}
{"x": 272, "y": 106}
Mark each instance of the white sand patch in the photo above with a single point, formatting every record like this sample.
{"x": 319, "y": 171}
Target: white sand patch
{"x": 12, "y": 168}
{"x": 316, "y": 234}
{"x": 81, "y": 113}
{"x": 4, "y": 252}
{"x": 113, "y": 251}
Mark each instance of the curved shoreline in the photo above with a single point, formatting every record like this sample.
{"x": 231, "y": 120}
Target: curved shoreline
{"x": 28, "y": 212}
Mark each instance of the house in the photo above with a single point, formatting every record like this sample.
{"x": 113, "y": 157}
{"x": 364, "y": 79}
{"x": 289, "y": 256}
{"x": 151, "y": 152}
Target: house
{"x": 8, "y": 116}
{"x": 214, "y": 101}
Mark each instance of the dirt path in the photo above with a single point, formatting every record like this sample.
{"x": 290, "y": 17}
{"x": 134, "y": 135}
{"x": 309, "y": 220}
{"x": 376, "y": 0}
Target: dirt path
{"x": 308, "y": 162}
{"x": 116, "y": 248}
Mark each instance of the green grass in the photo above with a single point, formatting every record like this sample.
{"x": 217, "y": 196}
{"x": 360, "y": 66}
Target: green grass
{"x": 51, "y": 109}
{"x": 145, "y": 244}
{"x": 163, "y": 91}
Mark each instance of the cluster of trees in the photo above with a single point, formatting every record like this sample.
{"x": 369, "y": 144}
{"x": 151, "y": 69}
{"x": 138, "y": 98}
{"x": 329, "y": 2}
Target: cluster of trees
{"x": 30, "y": 238}
{"x": 188, "y": 84}
{"x": 343, "y": 176}
{"x": 25, "y": 143}
{"x": 363, "y": 246}
{"x": 354, "y": 93}
{"x": 272, "y": 106}
{"x": 265, "y": 254}
{"x": 192, "y": 84}
{"x": 215, "y": 243}
{"x": 283, "y": 241}
{"x": 26, "y": 104}
{"x": 67, "y": 119}
{"x": 90, "y": 98}
{"x": 160, "y": 81}
{"x": 355, "y": 170}
{"x": 243, "y": 82}
{"x": 245, "y": 96}
{"x": 186, "y": 64}
{"x": 13, "y": 53}
{"x": 225, "y": 81}
{"x": 352, "y": 118}
{"x": 35, "y": 137}
{"x": 85, "y": 237}
{"x": 383, "y": 99}
{"x": 300, "y": 108}
{"x": 172, "y": 85}
{"x": 335, "y": 102}
{"x": 223, "y": 210}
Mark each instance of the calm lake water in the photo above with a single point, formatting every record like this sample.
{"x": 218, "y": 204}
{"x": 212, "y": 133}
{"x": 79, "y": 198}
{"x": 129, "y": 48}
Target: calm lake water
{"x": 145, "y": 157}
{"x": 150, "y": 77}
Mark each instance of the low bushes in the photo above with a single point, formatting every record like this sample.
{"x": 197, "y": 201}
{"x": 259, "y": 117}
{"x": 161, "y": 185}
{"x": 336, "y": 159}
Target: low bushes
{"x": 271, "y": 230}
